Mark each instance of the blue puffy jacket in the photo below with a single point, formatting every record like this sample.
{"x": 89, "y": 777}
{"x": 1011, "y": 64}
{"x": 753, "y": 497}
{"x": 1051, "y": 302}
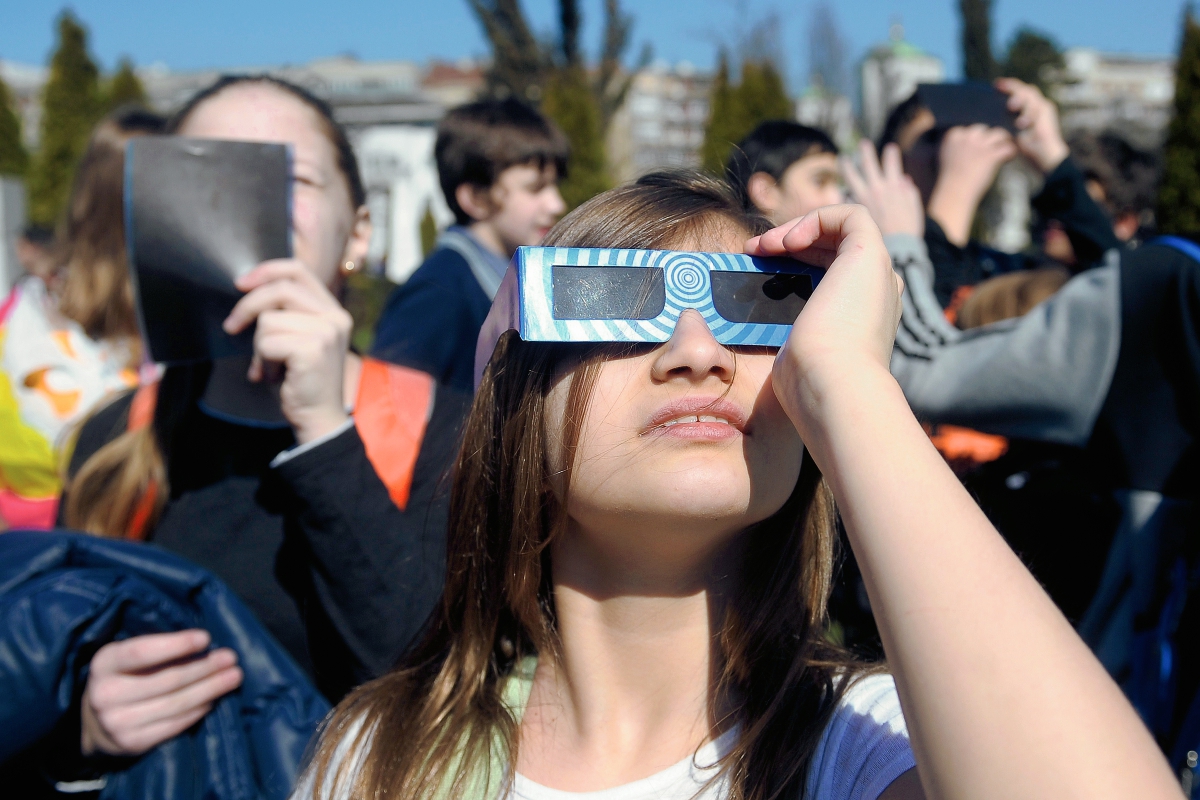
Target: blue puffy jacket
{"x": 64, "y": 595}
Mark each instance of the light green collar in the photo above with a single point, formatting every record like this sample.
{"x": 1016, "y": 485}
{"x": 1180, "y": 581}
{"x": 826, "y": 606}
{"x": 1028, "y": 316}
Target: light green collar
{"x": 518, "y": 685}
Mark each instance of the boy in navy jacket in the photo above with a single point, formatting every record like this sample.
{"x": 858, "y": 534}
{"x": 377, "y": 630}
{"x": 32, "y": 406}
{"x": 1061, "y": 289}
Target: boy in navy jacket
{"x": 499, "y": 163}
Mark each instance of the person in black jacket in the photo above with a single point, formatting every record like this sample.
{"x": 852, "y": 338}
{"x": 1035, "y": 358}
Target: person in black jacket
{"x": 330, "y": 527}
{"x": 954, "y": 168}
{"x": 499, "y": 163}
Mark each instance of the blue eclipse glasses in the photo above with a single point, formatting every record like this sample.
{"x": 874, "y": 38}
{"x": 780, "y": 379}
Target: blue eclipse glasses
{"x": 578, "y": 294}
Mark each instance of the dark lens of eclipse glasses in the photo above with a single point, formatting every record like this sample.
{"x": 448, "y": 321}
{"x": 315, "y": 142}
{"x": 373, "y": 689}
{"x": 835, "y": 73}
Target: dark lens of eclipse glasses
{"x": 607, "y": 292}
{"x": 756, "y": 297}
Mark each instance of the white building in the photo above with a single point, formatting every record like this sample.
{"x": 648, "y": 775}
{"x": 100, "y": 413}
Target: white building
{"x": 1111, "y": 91}
{"x": 829, "y": 112}
{"x": 889, "y": 74}
{"x": 400, "y": 177}
{"x": 661, "y": 123}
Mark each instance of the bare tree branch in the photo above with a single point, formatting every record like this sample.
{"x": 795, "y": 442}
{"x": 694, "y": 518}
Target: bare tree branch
{"x": 569, "y": 22}
{"x": 518, "y": 59}
{"x": 612, "y": 81}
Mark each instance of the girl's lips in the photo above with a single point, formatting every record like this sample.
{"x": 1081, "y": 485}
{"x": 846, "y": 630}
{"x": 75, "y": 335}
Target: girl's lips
{"x": 697, "y": 431}
{"x": 698, "y": 419}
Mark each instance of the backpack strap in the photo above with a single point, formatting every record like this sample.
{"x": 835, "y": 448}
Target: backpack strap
{"x": 1185, "y": 246}
{"x": 394, "y": 406}
{"x": 460, "y": 243}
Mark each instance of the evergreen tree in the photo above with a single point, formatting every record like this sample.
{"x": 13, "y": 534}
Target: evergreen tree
{"x": 978, "y": 63}
{"x": 722, "y": 120}
{"x": 574, "y": 109}
{"x": 1034, "y": 58}
{"x": 734, "y": 111}
{"x": 761, "y": 96}
{"x": 1179, "y": 193}
{"x": 124, "y": 87}
{"x": 71, "y": 105}
{"x": 14, "y": 160}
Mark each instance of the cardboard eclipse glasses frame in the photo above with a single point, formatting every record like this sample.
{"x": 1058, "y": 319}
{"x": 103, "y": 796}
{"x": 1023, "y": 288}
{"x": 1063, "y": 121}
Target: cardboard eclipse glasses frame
{"x": 577, "y": 294}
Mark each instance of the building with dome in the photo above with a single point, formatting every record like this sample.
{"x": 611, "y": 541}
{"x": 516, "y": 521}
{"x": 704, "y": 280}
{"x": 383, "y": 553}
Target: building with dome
{"x": 889, "y": 74}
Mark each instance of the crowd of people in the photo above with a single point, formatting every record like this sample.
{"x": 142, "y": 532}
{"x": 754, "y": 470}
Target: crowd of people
{"x": 940, "y": 542}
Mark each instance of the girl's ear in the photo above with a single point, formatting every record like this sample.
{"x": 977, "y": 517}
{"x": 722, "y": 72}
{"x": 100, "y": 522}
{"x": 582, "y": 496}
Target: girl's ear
{"x": 359, "y": 239}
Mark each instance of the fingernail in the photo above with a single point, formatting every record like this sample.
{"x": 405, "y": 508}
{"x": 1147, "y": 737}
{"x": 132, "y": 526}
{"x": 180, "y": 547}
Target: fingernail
{"x": 201, "y": 638}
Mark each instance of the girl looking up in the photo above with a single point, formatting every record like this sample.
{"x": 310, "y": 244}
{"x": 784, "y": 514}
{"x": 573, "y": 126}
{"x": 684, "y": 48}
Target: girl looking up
{"x": 640, "y": 549}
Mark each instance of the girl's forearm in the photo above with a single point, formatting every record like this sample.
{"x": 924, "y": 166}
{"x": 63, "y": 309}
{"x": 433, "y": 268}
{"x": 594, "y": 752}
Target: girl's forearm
{"x": 1002, "y": 697}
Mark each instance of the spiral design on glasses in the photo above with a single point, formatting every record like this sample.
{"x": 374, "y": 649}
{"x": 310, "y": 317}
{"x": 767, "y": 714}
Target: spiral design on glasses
{"x": 687, "y": 278}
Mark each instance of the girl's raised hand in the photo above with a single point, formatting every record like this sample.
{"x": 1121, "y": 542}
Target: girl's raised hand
{"x": 849, "y": 324}
{"x": 301, "y": 325}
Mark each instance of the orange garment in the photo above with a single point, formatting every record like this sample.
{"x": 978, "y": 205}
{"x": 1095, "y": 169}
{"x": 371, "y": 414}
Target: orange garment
{"x": 964, "y": 448}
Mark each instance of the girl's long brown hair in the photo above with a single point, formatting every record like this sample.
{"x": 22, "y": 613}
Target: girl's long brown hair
{"x": 434, "y": 726}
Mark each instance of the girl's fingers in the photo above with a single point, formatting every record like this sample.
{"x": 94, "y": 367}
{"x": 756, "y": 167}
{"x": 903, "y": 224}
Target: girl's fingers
{"x": 136, "y": 688}
{"x": 150, "y": 736}
{"x": 771, "y": 242}
{"x": 146, "y": 652}
{"x": 274, "y": 270}
{"x": 818, "y": 237}
{"x": 185, "y": 700}
{"x": 278, "y": 294}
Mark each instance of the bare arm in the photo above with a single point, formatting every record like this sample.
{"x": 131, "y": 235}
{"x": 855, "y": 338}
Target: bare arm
{"x": 1001, "y": 697}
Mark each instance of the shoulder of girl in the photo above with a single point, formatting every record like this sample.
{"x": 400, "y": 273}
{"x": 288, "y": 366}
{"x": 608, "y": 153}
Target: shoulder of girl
{"x": 874, "y": 696}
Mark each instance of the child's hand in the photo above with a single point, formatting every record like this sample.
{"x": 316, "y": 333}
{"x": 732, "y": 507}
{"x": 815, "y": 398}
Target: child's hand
{"x": 301, "y": 325}
{"x": 145, "y": 690}
{"x": 889, "y": 195}
{"x": 1040, "y": 137}
{"x": 848, "y": 326}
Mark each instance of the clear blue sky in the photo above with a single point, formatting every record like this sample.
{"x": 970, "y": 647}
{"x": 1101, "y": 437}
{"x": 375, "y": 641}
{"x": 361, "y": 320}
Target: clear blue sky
{"x": 185, "y": 34}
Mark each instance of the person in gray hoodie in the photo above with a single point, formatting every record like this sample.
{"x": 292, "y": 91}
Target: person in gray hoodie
{"x": 1110, "y": 364}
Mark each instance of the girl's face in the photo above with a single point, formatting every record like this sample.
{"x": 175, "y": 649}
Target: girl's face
{"x": 685, "y": 437}
{"x": 326, "y": 229}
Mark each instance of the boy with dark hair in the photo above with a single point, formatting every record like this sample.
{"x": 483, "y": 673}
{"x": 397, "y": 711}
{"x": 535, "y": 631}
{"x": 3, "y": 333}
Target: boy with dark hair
{"x": 785, "y": 170}
{"x": 499, "y": 163}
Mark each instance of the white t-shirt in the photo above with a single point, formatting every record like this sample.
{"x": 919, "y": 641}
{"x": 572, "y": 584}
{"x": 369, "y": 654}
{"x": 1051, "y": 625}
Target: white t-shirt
{"x": 862, "y": 750}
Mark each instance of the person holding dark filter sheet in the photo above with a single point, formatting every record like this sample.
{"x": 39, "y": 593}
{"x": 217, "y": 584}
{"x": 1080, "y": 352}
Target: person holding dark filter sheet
{"x": 640, "y": 548}
{"x": 331, "y": 528}
{"x": 954, "y": 168}
{"x": 499, "y": 163}
{"x": 69, "y": 335}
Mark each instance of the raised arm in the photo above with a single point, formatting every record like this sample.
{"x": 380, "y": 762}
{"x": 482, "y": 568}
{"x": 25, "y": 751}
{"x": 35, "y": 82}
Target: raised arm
{"x": 1001, "y": 697}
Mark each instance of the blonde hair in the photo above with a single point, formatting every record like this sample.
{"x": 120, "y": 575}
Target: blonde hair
{"x": 1011, "y": 295}
{"x": 91, "y": 253}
